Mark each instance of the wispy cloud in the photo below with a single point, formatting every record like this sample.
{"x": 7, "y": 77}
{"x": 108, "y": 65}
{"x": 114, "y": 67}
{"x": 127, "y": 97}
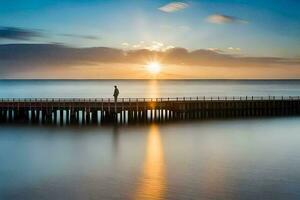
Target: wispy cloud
{"x": 88, "y": 37}
{"x": 225, "y": 19}
{"x": 215, "y": 49}
{"x": 173, "y": 7}
{"x": 228, "y": 49}
{"x": 147, "y": 45}
{"x": 13, "y": 33}
{"x": 125, "y": 44}
{"x": 234, "y": 48}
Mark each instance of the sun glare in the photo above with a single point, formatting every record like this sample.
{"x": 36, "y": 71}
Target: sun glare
{"x": 153, "y": 67}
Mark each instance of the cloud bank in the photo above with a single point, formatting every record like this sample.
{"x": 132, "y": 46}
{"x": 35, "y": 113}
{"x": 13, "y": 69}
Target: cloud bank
{"x": 29, "y": 56}
{"x": 58, "y": 61}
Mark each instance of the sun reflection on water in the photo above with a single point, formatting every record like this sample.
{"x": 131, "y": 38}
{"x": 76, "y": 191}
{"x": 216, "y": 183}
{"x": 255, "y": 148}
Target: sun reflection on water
{"x": 152, "y": 184}
{"x": 152, "y": 90}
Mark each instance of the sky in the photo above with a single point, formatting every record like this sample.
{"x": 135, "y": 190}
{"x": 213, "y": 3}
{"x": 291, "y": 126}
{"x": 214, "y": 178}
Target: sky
{"x": 117, "y": 38}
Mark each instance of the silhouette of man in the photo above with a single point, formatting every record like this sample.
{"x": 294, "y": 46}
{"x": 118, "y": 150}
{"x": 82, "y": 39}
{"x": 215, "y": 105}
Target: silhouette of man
{"x": 116, "y": 93}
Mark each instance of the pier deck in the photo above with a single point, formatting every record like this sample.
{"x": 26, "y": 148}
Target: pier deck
{"x": 137, "y": 110}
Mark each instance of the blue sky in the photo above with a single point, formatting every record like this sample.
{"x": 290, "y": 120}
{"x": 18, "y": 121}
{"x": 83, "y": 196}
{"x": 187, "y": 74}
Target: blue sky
{"x": 272, "y": 28}
{"x": 119, "y": 38}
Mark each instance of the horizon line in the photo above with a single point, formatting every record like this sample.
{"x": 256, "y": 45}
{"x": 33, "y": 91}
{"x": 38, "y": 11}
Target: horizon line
{"x": 146, "y": 79}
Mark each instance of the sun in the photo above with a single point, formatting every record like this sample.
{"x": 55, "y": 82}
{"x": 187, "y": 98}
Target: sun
{"x": 153, "y": 67}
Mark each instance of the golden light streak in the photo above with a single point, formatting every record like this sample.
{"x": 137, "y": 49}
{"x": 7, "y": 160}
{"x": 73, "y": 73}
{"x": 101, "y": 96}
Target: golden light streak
{"x": 152, "y": 90}
{"x": 152, "y": 184}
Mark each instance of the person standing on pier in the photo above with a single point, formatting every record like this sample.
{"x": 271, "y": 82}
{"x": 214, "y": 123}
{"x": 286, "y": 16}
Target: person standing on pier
{"x": 116, "y": 93}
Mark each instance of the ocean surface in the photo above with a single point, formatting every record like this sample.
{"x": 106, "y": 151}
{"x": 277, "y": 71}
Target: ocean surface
{"x": 146, "y": 88}
{"x": 254, "y": 158}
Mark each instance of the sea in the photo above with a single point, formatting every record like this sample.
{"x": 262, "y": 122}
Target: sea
{"x": 253, "y": 158}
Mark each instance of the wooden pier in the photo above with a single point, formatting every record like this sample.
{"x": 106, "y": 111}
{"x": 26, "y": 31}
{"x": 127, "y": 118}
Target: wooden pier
{"x": 141, "y": 110}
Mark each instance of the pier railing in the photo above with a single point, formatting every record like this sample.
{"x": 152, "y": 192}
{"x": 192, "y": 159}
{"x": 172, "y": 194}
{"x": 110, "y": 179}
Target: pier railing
{"x": 163, "y": 99}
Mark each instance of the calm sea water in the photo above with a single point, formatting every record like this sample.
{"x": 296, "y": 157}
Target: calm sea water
{"x": 216, "y": 159}
{"x": 147, "y": 88}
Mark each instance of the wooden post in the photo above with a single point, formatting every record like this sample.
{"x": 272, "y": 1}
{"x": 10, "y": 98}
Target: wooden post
{"x": 61, "y": 117}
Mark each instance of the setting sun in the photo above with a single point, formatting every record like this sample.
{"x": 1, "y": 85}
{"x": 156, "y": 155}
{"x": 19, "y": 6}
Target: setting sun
{"x": 153, "y": 67}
